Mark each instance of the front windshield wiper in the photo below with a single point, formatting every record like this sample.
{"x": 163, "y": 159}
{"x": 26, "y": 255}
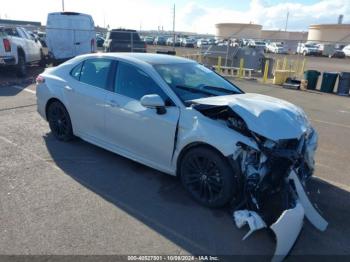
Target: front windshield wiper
{"x": 194, "y": 90}
{"x": 217, "y": 88}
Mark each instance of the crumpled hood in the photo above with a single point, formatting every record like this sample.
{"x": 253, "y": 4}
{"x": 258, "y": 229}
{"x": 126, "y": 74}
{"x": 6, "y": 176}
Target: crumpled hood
{"x": 267, "y": 116}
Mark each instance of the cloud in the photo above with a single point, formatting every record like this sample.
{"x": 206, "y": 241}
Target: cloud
{"x": 195, "y": 17}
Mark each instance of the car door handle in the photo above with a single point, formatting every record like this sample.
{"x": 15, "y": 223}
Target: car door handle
{"x": 68, "y": 88}
{"x": 113, "y": 103}
{"x": 77, "y": 43}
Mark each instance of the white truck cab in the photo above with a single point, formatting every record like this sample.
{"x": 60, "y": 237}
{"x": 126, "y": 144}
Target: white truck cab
{"x": 18, "y": 48}
{"x": 69, "y": 34}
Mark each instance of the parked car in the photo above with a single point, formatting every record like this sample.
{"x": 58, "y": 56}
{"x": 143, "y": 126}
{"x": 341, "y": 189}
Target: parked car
{"x": 346, "y": 50}
{"x": 170, "y": 40}
{"x": 160, "y": 40}
{"x": 99, "y": 41}
{"x": 211, "y": 41}
{"x": 260, "y": 45}
{"x": 202, "y": 43}
{"x": 124, "y": 40}
{"x": 188, "y": 42}
{"x": 69, "y": 34}
{"x": 148, "y": 40}
{"x": 331, "y": 51}
{"x": 42, "y": 38}
{"x": 308, "y": 49}
{"x": 18, "y": 48}
{"x": 179, "y": 117}
{"x": 276, "y": 48}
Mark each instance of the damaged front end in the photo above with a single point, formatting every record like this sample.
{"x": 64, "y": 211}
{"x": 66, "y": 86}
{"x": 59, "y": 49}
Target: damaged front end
{"x": 273, "y": 179}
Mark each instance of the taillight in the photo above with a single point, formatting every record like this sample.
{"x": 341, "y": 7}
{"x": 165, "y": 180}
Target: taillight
{"x": 7, "y": 45}
{"x": 40, "y": 79}
{"x": 92, "y": 45}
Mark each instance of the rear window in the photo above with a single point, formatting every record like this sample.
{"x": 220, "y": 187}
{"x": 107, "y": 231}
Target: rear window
{"x": 121, "y": 35}
{"x": 2, "y": 32}
{"x": 12, "y": 32}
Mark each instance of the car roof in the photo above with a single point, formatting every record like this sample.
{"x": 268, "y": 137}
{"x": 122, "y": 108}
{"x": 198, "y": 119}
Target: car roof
{"x": 148, "y": 58}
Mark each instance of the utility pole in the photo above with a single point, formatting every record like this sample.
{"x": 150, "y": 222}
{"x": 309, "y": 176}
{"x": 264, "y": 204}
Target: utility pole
{"x": 174, "y": 28}
{"x": 63, "y": 5}
{"x": 287, "y": 21}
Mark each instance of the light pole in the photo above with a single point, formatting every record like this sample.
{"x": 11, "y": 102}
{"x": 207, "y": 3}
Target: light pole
{"x": 63, "y": 5}
{"x": 174, "y": 28}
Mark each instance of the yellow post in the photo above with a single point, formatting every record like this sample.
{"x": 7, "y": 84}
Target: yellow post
{"x": 200, "y": 58}
{"x": 277, "y": 67}
{"x": 241, "y": 65}
{"x": 219, "y": 65}
{"x": 266, "y": 70}
{"x": 303, "y": 65}
{"x": 284, "y": 63}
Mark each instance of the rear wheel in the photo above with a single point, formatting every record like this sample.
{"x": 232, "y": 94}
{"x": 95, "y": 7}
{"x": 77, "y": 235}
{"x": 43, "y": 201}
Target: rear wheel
{"x": 208, "y": 177}
{"x": 42, "y": 62}
{"x": 59, "y": 121}
{"x": 21, "y": 68}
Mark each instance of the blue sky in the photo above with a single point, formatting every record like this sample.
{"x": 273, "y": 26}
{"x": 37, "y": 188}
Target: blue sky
{"x": 191, "y": 15}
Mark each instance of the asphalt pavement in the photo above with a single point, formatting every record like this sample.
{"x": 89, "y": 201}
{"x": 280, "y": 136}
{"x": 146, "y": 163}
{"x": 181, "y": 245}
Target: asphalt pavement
{"x": 74, "y": 198}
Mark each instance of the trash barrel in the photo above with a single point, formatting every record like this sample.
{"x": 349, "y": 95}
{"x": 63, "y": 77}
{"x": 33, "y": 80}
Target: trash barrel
{"x": 312, "y": 77}
{"x": 344, "y": 84}
{"x": 328, "y": 82}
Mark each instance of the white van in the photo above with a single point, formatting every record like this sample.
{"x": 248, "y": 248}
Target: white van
{"x": 69, "y": 34}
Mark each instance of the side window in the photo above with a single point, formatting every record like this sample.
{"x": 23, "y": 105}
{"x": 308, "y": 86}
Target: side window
{"x": 12, "y": 32}
{"x": 95, "y": 72}
{"x": 76, "y": 71}
{"x": 134, "y": 83}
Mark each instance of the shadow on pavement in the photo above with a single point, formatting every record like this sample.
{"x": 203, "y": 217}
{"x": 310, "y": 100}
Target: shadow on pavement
{"x": 159, "y": 201}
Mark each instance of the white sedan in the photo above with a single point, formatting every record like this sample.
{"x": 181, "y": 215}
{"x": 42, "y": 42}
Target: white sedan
{"x": 182, "y": 118}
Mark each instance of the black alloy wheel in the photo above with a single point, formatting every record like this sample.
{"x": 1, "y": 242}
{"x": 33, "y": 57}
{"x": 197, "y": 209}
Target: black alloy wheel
{"x": 208, "y": 177}
{"x": 59, "y": 121}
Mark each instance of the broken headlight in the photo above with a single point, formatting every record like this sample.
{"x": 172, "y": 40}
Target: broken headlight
{"x": 237, "y": 123}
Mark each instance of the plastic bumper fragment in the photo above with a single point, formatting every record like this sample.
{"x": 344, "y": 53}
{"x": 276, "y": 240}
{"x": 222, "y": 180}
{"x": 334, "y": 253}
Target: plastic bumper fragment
{"x": 243, "y": 217}
{"x": 287, "y": 228}
{"x": 310, "y": 212}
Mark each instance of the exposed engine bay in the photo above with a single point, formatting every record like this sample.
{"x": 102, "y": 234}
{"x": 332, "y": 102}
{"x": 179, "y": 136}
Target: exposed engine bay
{"x": 272, "y": 180}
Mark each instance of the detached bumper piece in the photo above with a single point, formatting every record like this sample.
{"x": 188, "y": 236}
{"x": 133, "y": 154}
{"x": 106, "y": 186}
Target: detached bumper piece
{"x": 288, "y": 226}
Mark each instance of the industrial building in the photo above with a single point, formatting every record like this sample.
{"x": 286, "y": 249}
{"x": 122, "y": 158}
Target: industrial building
{"x": 339, "y": 33}
{"x": 322, "y": 33}
{"x": 235, "y": 30}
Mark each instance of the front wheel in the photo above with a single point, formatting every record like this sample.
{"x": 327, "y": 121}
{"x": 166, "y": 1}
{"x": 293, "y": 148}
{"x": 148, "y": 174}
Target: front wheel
{"x": 208, "y": 177}
{"x": 59, "y": 121}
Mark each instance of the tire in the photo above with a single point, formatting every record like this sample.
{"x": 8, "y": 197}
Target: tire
{"x": 21, "y": 67}
{"x": 208, "y": 177}
{"x": 59, "y": 121}
{"x": 42, "y": 62}
{"x": 304, "y": 53}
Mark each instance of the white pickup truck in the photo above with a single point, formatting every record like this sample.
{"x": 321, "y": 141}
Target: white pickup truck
{"x": 18, "y": 48}
{"x": 308, "y": 49}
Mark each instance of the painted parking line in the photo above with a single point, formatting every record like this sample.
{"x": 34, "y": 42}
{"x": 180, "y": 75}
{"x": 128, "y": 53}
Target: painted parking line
{"x": 330, "y": 123}
{"x": 25, "y": 89}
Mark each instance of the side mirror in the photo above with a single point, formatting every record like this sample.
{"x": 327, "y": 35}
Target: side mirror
{"x": 155, "y": 102}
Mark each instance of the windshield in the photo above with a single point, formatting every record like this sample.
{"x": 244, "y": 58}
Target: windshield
{"x": 192, "y": 81}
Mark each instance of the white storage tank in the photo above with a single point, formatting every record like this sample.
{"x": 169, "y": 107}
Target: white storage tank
{"x": 236, "y": 30}
{"x": 339, "y": 33}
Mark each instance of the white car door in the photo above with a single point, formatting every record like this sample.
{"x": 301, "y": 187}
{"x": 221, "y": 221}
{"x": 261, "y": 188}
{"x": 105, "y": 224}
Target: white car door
{"x": 86, "y": 94}
{"x": 137, "y": 130}
{"x": 35, "y": 46}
